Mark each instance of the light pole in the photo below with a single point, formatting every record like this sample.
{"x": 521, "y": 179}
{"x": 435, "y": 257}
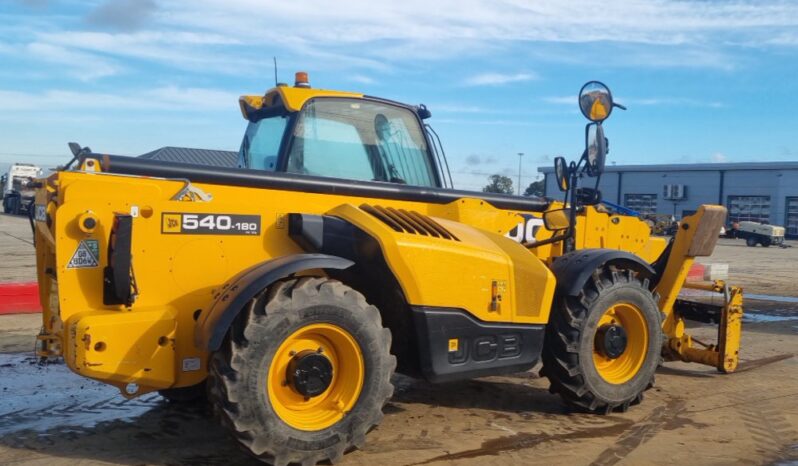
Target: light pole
{"x": 520, "y": 155}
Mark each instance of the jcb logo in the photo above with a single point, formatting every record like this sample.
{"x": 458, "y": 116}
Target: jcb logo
{"x": 525, "y": 231}
{"x": 171, "y": 223}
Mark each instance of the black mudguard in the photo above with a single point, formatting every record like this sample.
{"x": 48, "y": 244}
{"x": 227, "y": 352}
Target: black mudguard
{"x": 214, "y": 323}
{"x": 575, "y": 268}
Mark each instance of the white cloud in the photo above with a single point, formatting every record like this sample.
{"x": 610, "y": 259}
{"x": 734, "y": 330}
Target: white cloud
{"x": 366, "y": 38}
{"x": 81, "y": 65}
{"x": 458, "y": 108}
{"x": 227, "y": 36}
{"x": 362, "y": 79}
{"x": 719, "y": 157}
{"x": 357, "y": 21}
{"x": 562, "y": 100}
{"x": 168, "y": 98}
{"x": 498, "y": 79}
{"x": 189, "y": 50}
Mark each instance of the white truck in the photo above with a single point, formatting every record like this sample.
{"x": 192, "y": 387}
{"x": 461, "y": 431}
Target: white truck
{"x": 16, "y": 192}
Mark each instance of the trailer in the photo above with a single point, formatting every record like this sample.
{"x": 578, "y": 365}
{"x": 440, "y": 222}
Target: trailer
{"x": 758, "y": 233}
{"x": 16, "y": 190}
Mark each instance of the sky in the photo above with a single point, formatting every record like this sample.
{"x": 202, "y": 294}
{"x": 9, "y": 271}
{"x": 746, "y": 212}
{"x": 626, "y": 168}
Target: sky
{"x": 704, "y": 81}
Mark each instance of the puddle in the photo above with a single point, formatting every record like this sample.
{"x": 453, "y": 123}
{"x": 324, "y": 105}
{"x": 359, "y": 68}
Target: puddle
{"x": 758, "y": 308}
{"x": 38, "y": 397}
{"x": 789, "y": 457}
{"x": 756, "y": 318}
{"x": 767, "y": 297}
{"x": 47, "y": 408}
{"x": 765, "y": 318}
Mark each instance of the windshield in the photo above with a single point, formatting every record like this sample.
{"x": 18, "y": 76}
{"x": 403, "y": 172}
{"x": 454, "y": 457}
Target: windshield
{"x": 261, "y": 143}
{"x": 360, "y": 140}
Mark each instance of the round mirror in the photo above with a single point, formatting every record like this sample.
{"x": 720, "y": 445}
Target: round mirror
{"x": 596, "y": 149}
{"x": 595, "y": 101}
{"x": 561, "y": 173}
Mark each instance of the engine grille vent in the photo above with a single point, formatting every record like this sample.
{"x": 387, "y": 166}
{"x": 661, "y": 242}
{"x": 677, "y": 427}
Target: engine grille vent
{"x": 407, "y": 221}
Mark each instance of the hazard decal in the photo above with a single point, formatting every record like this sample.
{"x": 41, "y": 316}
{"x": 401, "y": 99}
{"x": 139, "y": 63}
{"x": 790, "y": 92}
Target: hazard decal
{"x": 86, "y": 255}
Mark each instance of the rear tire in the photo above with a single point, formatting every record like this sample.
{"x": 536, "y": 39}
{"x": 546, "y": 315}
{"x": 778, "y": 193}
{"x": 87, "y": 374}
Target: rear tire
{"x": 578, "y": 370}
{"x": 260, "y": 401}
{"x": 751, "y": 242}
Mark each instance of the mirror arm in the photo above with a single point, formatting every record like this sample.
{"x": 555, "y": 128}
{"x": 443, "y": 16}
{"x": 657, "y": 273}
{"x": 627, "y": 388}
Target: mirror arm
{"x": 619, "y": 106}
{"x": 571, "y": 230}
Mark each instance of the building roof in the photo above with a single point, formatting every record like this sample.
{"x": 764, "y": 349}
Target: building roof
{"x": 674, "y": 167}
{"x": 216, "y": 158}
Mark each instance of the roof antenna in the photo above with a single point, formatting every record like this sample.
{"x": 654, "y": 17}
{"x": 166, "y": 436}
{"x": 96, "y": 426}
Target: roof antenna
{"x": 275, "y": 71}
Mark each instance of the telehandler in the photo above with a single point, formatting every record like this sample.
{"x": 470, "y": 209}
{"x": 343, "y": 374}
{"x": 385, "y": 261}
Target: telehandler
{"x": 290, "y": 289}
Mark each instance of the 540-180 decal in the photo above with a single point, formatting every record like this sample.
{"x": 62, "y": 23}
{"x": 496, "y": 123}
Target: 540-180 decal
{"x": 209, "y": 224}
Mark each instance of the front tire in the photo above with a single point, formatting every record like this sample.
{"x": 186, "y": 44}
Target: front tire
{"x": 304, "y": 373}
{"x": 16, "y": 205}
{"x": 603, "y": 346}
{"x": 11, "y": 205}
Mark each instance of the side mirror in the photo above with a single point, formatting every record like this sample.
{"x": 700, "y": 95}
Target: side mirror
{"x": 556, "y": 220}
{"x": 595, "y": 101}
{"x": 596, "y": 148}
{"x": 561, "y": 173}
{"x": 423, "y": 112}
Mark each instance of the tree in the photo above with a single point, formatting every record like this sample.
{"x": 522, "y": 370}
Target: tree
{"x": 535, "y": 188}
{"x": 499, "y": 184}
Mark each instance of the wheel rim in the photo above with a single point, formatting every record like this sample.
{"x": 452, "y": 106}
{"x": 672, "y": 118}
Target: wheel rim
{"x": 348, "y": 369}
{"x": 621, "y": 369}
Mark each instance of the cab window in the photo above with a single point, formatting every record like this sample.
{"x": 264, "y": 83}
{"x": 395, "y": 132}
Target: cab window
{"x": 360, "y": 140}
{"x": 261, "y": 144}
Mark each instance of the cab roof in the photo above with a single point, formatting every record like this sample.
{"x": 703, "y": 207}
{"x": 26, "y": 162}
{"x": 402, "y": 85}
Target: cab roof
{"x": 291, "y": 98}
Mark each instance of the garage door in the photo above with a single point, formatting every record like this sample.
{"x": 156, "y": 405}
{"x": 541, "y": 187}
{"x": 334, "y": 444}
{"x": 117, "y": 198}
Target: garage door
{"x": 791, "y": 220}
{"x": 643, "y": 203}
{"x": 751, "y": 208}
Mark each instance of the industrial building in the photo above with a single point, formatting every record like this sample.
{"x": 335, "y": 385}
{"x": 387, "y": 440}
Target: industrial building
{"x": 764, "y": 192}
{"x": 217, "y": 158}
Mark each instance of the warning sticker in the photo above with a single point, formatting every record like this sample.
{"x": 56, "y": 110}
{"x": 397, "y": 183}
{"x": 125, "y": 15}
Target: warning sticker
{"x": 86, "y": 255}
{"x": 40, "y": 213}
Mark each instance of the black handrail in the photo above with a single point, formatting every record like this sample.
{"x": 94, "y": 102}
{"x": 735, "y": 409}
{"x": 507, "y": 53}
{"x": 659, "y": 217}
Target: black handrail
{"x": 305, "y": 183}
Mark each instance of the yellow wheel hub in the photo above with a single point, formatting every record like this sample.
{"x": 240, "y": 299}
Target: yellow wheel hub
{"x": 627, "y": 320}
{"x": 340, "y": 392}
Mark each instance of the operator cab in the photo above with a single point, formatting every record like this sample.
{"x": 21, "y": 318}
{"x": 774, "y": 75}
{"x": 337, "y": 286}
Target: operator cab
{"x": 338, "y": 134}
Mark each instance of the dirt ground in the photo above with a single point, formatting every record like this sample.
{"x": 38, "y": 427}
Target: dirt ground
{"x": 17, "y": 256}
{"x": 693, "y": 415}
